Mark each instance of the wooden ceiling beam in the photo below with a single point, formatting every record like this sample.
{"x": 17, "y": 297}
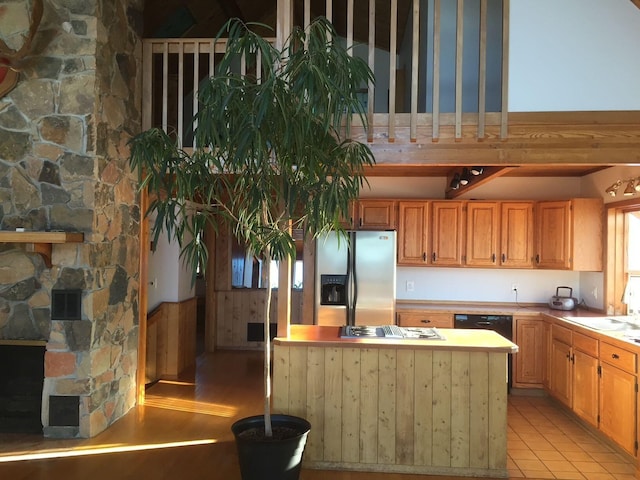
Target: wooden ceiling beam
{"x": 231, "y": 9}
{"x": 488, "y": 174}
{"x": 636, "y": 3}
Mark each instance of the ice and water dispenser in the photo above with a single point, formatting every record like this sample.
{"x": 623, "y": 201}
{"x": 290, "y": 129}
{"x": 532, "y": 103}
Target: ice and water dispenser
{"x": 333, "y": 290}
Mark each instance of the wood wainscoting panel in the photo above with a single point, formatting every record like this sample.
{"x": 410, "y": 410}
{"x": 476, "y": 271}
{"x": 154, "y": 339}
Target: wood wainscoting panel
{"x": 172, "y": 338}
{"x": 237, "y": 308}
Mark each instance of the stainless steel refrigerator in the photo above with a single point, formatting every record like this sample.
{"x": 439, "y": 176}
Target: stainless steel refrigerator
{"x": 356, "y": 278}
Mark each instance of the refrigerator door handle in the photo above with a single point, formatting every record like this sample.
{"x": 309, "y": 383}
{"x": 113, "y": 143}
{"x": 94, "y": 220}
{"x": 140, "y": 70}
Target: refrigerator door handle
{"x": 354, "y": 280}
{"x": 350, "y": 311}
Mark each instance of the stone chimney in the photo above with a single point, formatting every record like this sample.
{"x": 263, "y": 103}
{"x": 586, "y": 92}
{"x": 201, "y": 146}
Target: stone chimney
{"x": 63, "y": 166}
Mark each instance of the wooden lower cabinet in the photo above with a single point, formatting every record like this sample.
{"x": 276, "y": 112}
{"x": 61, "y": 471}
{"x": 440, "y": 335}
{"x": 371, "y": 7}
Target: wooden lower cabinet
{"x": 560, "y": 371}
{"x": 425, "y": 319}
{"x": 585, "y": 386}
{"x": 531, "y": 360}
{"x": 597, "y": 380}
{"x": 618, "y": 396}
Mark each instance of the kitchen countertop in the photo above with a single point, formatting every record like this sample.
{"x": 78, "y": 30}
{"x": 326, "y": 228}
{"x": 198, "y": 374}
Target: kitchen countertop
{"x": 565, "y": 316}
{"x": 493, "y": 309}
{"x": 454, "y": 339}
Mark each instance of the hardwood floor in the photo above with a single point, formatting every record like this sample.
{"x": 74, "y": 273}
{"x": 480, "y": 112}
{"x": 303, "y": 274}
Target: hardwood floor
{"x": 183, "y": 433}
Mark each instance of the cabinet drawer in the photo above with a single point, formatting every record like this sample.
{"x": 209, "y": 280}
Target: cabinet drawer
{"x": 426, "y": 319}
{"x": 623, "y": 359}
{"x": 561, "y": 333}
{"x": 586, "y": 344}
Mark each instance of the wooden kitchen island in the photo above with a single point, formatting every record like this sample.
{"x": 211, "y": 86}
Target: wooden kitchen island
{"x": 409, "y": 406}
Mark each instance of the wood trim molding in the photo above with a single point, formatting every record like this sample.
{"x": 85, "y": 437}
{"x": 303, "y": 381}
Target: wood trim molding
{"x": 636, "y": 3}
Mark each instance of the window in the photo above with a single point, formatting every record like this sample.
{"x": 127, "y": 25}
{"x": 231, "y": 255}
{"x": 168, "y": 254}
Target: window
{"x": 297, "y": 275}
{"x": 622, "y": 278}
{"x": 631, "y": 295}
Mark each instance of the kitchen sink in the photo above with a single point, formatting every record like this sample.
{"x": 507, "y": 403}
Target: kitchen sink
{"x": 606, "y": 323}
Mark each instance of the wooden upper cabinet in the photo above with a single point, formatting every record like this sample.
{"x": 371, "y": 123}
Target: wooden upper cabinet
{"x": 483, "y": 233}
{"x": 569, "y": 234}
{"x": 349, "y": 223}
{"x": 553, "y": 234}
{"x": 376, "y": 215}
{"x": 413, "y": 233}
{"x": 516, "y": 234}
{"x": 447, "y": 233}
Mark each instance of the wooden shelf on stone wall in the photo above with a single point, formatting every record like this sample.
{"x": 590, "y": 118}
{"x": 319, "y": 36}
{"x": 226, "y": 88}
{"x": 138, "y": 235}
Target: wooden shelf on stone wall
{"x": 42, "y": 241}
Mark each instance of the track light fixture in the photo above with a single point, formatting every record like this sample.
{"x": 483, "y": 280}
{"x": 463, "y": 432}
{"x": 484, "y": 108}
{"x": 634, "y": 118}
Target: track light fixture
{"x": 475, "y": 171}
{"x": 465, "y": 178}
{"x": 455, "y": 182}
{"x": 613, "y": 189}
{"x": 633, "y": 186}
{"x": 630, "y": 190}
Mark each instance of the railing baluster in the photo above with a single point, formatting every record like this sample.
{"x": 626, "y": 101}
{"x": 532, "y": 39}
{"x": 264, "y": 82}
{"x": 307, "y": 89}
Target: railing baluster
{"x": 435, "y": 135}
{"x": 196, "y": 86}
{"x": 504, "y": 107}
{"x": 415, "y": 59}
{"x": 371, "y": 61}
{"x": 393, "y": 39}
{"x": 180, "y": 94}
{"x": 459, "y": 66}
{"x": 165, "y": 85}
{"x": 482, "y": 72}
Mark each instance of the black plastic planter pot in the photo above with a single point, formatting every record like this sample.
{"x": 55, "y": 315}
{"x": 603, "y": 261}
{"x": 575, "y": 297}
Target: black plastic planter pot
{"x": 270, "y": 459}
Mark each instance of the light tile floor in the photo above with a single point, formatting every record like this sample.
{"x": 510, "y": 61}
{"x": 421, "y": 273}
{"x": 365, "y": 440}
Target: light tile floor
{"x": 545, "y": 442}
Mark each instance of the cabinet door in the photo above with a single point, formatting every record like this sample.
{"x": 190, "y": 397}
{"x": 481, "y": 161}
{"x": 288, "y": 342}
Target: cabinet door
{"x": 516, "y": 242}
{"x": 447, "y": 233}
{"x": 530, "y": 361}
{"x": 413, "y": 233}
{"x": 553, "y": 235}
{"x": 618, "y": 406}
{"x": 585, "y": 386}
{"x": 560, "y": 373}
{"x": 376, "y": 214}
{"x": 482, "y": 234}
{"x": 425, "y": 319}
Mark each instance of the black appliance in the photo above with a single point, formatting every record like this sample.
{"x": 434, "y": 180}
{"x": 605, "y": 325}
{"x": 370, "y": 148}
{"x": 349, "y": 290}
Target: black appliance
{"x": 502, "y": 324}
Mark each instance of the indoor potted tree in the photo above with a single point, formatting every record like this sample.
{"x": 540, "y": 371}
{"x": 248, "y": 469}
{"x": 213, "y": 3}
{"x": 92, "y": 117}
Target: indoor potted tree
{"x": 272, "y": 153}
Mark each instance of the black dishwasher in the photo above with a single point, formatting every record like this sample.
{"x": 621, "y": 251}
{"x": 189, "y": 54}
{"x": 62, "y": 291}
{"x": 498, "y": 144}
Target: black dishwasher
{"x": 502, "y": 324}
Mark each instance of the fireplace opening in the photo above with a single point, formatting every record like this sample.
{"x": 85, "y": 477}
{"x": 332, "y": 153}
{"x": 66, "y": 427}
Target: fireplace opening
{"x": 21, "y": 381}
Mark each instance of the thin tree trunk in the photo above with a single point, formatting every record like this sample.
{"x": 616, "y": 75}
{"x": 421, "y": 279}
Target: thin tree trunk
{"x": 268, "y": 432}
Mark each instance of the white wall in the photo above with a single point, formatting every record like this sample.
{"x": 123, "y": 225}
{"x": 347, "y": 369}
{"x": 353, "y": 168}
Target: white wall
{"x": 169, "y": 278}
{"x": 573, "y": 55}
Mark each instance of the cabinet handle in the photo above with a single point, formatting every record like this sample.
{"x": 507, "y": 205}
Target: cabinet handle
{"x": 433, "y": 256}
{"x": 568, "y": 356}
{"x": 493, "y": 258}
{"x": 504, "y": 258}
{"x": 424, "y": 256}
{"x": 425, "y": 321}
{"x": 537, "y": 258}
{"x": 360, "y": 222}
{"x": 615, "y": 356}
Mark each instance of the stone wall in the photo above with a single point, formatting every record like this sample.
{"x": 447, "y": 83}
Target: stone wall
{"x": 63, "y": 166}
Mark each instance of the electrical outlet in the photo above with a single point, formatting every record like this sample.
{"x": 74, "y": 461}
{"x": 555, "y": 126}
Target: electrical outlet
{"x": 514, "y": 287}
{"x": 410, "y": 285}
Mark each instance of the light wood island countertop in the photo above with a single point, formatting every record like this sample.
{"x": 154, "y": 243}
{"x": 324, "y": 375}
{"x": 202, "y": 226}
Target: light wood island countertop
{"x": 454, "y": 340}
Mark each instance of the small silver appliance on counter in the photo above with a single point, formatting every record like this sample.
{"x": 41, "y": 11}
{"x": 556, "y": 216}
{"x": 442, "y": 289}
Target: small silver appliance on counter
{"x": 559, "y": 302}
{"x": 356, "y": 278}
